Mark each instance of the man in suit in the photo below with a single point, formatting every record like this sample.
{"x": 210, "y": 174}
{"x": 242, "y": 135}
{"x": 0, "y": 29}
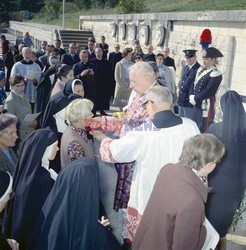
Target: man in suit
{"x": 84, "y": 70}
{"x": 44, "y": 59}
{"x": 42, "y": 51}
{"x": 204, "y": 88}
{"x": 168, "y": 61}
{"x": 104, "y": 47}
{"x": 91, "y": 49}
{"x": 58, "y": 47}
{"x": 72, "y": 57}
{"x": 187, "y": 79}
{"x": 149, "y": 57}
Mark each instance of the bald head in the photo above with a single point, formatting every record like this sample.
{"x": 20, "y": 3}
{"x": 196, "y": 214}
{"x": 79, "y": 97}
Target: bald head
{"x": 158, "y": 99}
{"x": 99, "y": 53}
{"x": 142, "y": 77}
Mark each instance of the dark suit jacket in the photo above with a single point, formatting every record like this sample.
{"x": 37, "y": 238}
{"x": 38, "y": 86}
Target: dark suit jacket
{"x": 40, "y": 53}
{"x": 149, "y": 58}
{"x": 44, "y": 60}
{"x": 18, "y": 58}
{"x": 168, "y": 61}
{"x": 187, "y": 79}
{"x": 69, "y": 59}
{"x": 61, "y": 51}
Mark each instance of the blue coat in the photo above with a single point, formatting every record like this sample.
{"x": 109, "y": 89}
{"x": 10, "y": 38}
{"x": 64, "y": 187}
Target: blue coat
{"x": 69, "y": 60}
{"x": 187, "y": 79}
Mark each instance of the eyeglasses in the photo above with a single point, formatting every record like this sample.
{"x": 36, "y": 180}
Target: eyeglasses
{"x": 12, "y": 195}
{"x": 138, "y": 58}
{"x": 144, "y": 105}
{"x": 117, "y": 47}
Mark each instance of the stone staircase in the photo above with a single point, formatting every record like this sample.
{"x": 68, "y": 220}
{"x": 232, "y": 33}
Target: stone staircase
{"x": 74, "y": 36}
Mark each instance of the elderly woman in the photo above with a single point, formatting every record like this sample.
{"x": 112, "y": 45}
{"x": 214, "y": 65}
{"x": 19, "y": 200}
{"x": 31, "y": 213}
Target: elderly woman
{"x": 18, "y": 104}
{"x": 8, "y": 137}
{"x": 174, "y": 216}
{"x": 75, "y": 143}
{"x": 122, "y": 89}
{"x": 65, "y": 73}
{"x": 228, "y": 181}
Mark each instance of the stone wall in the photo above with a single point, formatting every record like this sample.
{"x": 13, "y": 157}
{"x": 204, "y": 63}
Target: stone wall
{"x": 38, "y": 32}
{"x": 180, "y": 31}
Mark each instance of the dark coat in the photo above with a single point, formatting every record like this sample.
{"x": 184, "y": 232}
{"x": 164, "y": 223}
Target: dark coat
{"x": 103, "y": 79}
{"x": 174, "y": 216}
{"x": 18, "y": 58}
{"x": 204, "y": 88}
{"x": 31, "y": 184}
{"x": 187, "y": 78}
{"x": 5, "y": 163}
{"x": 149, "y": 58}
{"x": 88, "y": 80}
{"x": 168, "y": 61}
{"x": 104, "y": 48}
{"x": 69, "y": 217}
{"x": 61, "y": 51}
{"x": 69, "y": 59}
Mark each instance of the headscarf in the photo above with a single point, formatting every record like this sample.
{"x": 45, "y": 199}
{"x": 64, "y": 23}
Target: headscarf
{"x": 69, "y": 217}
{"x": 56, "y": 103}
{"x": 234, "y": 119}
{"x": 31, "y": 184}
{"x": 69, "y": 87}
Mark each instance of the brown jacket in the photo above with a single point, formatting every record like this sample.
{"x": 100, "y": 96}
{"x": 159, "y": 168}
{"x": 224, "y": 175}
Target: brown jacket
{"x": 174, "y": 216}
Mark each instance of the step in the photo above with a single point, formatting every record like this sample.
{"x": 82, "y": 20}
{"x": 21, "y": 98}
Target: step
{"x": 73, "y": 37}
{"x": 75, "y": 32}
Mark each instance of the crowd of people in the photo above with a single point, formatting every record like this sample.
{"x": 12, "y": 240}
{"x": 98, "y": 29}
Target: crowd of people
{"x": 166, "y": 148}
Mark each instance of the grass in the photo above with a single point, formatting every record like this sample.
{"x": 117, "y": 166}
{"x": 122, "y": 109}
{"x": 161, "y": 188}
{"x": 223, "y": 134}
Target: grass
{"x": 153, "y": 6}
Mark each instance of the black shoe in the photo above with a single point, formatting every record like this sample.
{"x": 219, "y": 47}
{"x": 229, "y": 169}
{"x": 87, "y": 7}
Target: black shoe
{"x": 102, "y": 112}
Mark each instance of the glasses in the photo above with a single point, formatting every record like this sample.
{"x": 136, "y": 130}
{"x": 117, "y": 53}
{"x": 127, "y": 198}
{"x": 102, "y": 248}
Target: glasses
{"x": 138, "y": 58}
{"x": 144, "y": 105}
{"x": 12, "y": 195}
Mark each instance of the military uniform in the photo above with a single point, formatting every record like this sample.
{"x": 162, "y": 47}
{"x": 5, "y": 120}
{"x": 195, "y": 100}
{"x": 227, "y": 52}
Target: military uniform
{"x": 204, "y": 89}
{"x": 187, "y": 79}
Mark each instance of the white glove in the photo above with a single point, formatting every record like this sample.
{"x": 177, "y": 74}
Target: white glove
{"x": 192, "y": 99}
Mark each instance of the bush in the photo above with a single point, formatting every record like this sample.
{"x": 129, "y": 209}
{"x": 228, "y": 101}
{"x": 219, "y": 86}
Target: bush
{"x": 52, "y": 9}
{"x": 131, "y": 6}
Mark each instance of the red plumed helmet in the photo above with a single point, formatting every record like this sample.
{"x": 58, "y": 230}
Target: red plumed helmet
{"x": 206, "y": 36}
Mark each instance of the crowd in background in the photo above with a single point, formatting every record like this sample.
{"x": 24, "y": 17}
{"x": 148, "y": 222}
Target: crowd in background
{"x": 166, "y": 148}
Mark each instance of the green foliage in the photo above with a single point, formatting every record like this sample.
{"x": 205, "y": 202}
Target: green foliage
{"x": 131, "y": 6}
{"x": 51, "y": 9}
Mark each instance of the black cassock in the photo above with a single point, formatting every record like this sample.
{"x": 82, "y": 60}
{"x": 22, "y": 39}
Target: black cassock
{"x": 103, "y": 80}
{"x": 113, "y": 59}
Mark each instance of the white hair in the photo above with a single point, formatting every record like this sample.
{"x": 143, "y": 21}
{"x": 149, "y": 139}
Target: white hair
{"x": 143, "y": 70}
{"x": 159, "y": 94}
{"x": 77, "y": 110}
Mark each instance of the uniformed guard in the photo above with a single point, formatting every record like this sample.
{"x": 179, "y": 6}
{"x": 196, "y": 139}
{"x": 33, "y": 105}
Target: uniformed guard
{"x": 187, "y": 79}
{"x": 203, "y": 90}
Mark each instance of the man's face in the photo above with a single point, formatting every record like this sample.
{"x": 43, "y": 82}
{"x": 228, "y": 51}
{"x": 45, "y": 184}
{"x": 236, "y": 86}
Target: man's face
{"x": 91, "y": 45}
{"x": 9, "y": 137}
{"x": 26, "y": 53}
{"x": 159, "y": 60}
{"x": 208, "y": 62}
{"x": 117, "y": 48}
{"x": 190, "y": 60}
{"x": 44, "y": 45}
{"x": 166, "y": 52}
{"x": 102, "y": 39}
{"x": 72, "y": 48}
{"x": 99, "y": 53}
{"x": 58, "y": 44}
{"x": 150, "y": 50}
{"x": 53, "y": 62}
{"x": 84, "y": 57}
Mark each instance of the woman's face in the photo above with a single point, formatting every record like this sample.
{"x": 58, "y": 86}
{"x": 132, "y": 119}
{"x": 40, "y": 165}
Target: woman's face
{"x": 208, "y": 62}
{"x": 19, "y": 88}
{"x": 54, "y": 151}
{"x": 70, "y": 75}
{"x": 159, "y": 60}
{"x": 79, "y": 89}
{"x": 129, "y": 56}
{"x": 9, "y": 137}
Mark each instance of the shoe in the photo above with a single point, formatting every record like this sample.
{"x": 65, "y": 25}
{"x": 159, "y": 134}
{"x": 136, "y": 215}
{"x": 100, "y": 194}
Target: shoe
{"x": 102, "y": 112}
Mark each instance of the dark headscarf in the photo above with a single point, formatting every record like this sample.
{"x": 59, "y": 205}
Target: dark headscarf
{"x": 234, "y": 118}
{"x": 69, "y": 217}
{"x": 56, "y": 104}
{"x": 31, "y": 184}
{"x": 68, "y": 90}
